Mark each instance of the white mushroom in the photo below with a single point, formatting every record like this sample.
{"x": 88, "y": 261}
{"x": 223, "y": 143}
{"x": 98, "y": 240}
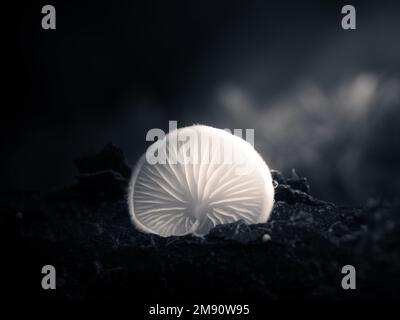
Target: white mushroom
{"x": 203, "y": 177}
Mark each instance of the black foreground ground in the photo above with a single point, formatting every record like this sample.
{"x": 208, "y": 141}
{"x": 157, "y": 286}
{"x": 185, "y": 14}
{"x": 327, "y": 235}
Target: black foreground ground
{"x": 85, "y": 232}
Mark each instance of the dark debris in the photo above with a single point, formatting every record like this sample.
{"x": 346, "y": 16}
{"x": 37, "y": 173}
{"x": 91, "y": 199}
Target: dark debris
{"x": 298, "y": 253}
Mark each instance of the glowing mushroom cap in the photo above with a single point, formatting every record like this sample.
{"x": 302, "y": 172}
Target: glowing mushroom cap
{"x": 196, "y": 178}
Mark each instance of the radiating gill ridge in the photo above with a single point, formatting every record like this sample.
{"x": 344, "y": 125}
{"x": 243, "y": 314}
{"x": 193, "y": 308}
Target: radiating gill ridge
{"x": 203, "y": 177}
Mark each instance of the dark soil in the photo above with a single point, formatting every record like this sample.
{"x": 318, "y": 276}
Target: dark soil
{"x": 86, "y": 233}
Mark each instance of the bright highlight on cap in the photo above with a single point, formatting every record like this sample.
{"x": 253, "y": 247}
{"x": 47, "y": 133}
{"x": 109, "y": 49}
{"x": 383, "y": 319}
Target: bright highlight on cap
{"x": 196, "y": 178}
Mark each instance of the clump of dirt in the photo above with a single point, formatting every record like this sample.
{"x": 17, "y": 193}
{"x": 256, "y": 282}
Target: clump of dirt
{"x": 85, "y": 232}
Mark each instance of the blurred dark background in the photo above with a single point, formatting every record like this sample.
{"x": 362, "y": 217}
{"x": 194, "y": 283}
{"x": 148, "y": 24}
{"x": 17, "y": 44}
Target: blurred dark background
{"x": 321, "y": 99}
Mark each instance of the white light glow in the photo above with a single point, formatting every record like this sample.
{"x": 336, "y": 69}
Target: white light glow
{"x": 178, "y": 197}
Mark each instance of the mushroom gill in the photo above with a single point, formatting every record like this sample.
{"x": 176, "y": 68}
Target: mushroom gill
{"x": 203, "y": 177}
